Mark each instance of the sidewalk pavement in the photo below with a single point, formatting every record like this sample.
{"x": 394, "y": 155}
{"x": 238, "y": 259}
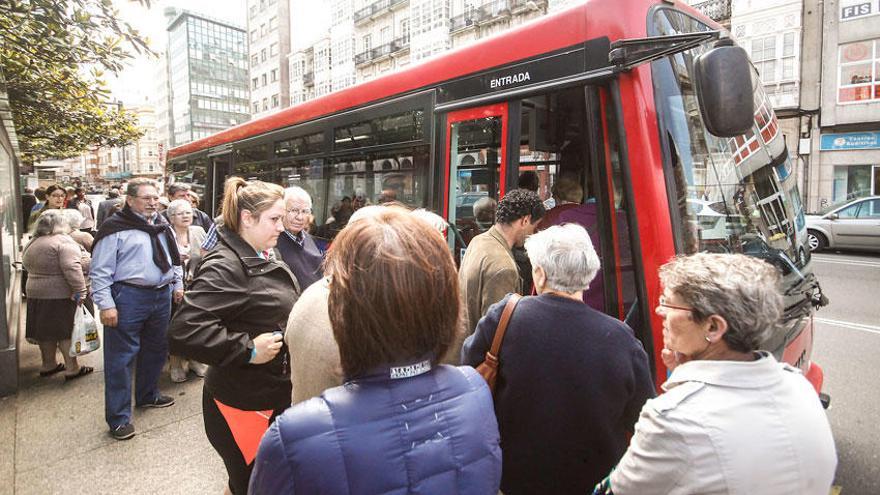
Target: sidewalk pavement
{"x": 53, "y": 438}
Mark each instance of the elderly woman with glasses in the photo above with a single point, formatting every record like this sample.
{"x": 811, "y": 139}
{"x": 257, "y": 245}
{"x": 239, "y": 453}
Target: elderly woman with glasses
{"x": 571, "y": 380}
{"x": 189, "y": 238}
{"x": 56, "y": 285}
{"x": 733, "y": 419}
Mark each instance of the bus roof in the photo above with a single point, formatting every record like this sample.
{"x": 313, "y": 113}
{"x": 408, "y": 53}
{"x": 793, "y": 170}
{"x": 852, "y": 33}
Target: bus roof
{"x": 541, "y": 35}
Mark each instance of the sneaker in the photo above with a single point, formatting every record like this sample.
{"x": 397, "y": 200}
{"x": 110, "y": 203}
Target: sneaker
{"x": 178, "y": 375}
{"x": 123, "y": 432}
{"x": 159, "y": 401}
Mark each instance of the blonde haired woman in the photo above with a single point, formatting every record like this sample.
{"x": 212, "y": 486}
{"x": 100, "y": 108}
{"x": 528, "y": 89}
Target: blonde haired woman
{"x": 232, "y": 319}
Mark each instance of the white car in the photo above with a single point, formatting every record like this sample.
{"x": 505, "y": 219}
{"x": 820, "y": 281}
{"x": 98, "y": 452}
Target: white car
{"x": 853, "y": 224}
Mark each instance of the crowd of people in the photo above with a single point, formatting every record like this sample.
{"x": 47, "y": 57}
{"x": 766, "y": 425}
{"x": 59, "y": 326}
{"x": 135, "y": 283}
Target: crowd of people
{"x": 354, "y": 369}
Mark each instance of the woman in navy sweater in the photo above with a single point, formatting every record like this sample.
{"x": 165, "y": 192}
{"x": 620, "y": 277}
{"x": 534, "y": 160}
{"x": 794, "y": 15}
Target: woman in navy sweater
{"x": 571, "y": 381}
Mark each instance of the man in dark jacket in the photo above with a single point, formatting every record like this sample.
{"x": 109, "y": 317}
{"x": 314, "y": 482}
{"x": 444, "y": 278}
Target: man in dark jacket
{"x": 108, "y": 207}
{"x": 28, "y": 200}
{"x": 180, "y": 190}
{"x": 296, "y": 246}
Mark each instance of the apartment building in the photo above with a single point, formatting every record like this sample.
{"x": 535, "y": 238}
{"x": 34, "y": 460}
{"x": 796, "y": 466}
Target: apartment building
{"x": 842, "y": 136}
{"x": 207, "y": 61}
{"x": 268, "y": 27}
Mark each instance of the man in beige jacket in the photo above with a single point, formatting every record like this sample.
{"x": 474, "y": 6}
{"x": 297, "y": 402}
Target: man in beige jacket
{"x": 488, "y": 271}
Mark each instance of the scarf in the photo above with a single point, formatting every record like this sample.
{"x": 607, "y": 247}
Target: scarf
{"x": 126, "y": 219}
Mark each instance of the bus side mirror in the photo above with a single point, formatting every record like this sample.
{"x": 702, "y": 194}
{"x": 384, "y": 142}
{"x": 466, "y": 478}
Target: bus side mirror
{"x": 723, "y": 78}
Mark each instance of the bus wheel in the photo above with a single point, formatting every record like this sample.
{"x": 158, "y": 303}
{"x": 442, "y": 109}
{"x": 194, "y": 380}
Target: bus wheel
{"x": 816, "y": 241}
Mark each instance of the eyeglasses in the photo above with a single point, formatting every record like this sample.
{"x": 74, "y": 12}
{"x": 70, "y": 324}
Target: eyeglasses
{"x": 295, "y": 212}
{"x": 663, "y": 304}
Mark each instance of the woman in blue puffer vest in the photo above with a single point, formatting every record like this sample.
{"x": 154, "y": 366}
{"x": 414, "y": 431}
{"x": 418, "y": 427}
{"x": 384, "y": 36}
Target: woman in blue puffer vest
{"x": 400, "y": 423}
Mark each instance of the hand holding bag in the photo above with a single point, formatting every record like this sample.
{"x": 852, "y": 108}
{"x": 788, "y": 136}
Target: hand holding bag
{"x": 84, "y": 338}
{"x": 488, "y": 369}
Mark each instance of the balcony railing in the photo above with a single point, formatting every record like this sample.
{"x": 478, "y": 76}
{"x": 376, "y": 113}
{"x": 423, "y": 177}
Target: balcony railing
{"x": 363, "y": 57}
{"x": 521, "y": 5}
{"x": 401, "y": 43}
{"x": 487, "y": 14}
{"x": 717, "y": 10}
{"x": 378, "y": 7}
{"x": 309, "y": 79}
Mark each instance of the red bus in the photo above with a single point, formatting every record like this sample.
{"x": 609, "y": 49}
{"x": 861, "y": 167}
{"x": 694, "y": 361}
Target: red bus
{"x": 605, "y": 93}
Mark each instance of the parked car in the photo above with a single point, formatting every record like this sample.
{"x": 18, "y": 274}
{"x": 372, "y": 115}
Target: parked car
{"x": 852, "y": 224}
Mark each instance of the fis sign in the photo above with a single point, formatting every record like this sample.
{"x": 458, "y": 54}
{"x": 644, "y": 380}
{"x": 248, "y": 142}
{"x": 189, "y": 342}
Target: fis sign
{"x": 851, "y": 10}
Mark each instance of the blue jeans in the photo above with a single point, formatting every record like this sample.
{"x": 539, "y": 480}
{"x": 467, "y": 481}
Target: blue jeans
{"x": 139, "y": 336}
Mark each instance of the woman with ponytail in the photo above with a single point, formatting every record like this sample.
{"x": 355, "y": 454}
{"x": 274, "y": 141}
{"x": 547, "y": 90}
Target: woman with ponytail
{"x": 232, "y": 319}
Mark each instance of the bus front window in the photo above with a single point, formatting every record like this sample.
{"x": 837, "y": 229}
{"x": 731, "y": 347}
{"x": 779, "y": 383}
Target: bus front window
{"x": 730, "y": 194}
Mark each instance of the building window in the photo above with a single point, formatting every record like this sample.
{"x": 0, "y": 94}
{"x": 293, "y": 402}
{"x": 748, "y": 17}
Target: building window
{"x": 273, "y": 23}
{"x": 253, "y": 11}
{"x": 368, "y": 42}
{"x": 275, "y": 101}
{"x": 274, "y": 75}
{"x": 254, "y": 36}
{"x": 788, "y": 56}
{"x": 265, "y": 104}
{"x": 255, "y": 60}
{"x": 256, "y": 107}
{"x": 263, "y": 77}
{"x": 273, "y": 49}
{"x": 262, "y": 30}
{"x": 859, "y": 72}
{"x": 853, "y": 181}
{"x": 764, "y": 57}
{"x": 263, "y": 55}
{"x": 254, "y": 83}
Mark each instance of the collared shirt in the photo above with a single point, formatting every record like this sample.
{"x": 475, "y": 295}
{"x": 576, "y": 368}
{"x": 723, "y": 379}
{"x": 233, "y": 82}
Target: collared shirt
{"x": 210, "y": 241}
{"x": 298, "y": 238}
{"x": 753, "y": 427}
{"x": 127, "y": 256}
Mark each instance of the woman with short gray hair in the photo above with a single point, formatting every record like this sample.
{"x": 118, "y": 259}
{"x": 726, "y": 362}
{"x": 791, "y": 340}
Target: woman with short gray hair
{"x": 733, "y": 419}
{"x": 56, "y": 285}
{"x": 74, "y": 220}
{"x": 571, "y": 380}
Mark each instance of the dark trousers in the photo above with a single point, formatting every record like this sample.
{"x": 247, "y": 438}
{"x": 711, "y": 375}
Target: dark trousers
{"x": 139, "y": 337}
{"x": 220, "y": 436}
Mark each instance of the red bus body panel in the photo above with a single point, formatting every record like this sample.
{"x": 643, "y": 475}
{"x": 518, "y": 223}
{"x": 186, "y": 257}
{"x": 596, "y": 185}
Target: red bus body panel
{"x": 570, "y": 27}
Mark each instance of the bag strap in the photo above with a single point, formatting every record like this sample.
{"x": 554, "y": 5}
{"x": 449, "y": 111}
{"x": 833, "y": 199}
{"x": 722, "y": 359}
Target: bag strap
{"x": 492, "y": 355}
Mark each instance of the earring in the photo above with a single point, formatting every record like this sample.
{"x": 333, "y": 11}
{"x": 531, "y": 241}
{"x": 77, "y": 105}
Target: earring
{"x": 708, "y": 339}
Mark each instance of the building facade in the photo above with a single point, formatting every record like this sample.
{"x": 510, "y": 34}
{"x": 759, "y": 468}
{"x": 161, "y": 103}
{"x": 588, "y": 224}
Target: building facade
{"x": 208, "y": 84}
{"x": 369, "y": 38}
{"x": 268, "y": 51}
{"x": 844, "y": 139}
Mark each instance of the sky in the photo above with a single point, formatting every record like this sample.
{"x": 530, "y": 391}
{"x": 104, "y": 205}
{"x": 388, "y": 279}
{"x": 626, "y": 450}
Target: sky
{"x": 135, "y": 84}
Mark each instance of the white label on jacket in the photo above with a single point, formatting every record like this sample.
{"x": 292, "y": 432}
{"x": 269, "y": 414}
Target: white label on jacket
{"x": 410, "y": 370}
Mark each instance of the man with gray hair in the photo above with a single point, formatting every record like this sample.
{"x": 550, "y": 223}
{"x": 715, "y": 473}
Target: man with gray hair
{"x": 181, "y": 190}
{"x": 296, "y": 246}
{"x": 135, "y": 273}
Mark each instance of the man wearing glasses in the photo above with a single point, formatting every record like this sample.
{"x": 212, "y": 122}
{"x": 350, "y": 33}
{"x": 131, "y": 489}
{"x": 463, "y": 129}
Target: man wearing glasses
{"x": 296, "y": 246}
{"x": 135, "y": 273}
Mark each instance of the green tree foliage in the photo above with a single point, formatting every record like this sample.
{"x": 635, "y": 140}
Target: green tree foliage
{"x": 54, "y": 54}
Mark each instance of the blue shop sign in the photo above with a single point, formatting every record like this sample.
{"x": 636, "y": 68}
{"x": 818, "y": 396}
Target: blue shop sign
{"x": 850, "y": 141}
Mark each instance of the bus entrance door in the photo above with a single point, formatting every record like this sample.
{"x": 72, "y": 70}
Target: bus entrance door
{"x": 220, "y": 169}
{"x": 476, "y": 164}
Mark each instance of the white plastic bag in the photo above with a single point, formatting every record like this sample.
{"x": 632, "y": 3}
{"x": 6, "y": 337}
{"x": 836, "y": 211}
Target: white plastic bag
{"x": 85, "y": 333}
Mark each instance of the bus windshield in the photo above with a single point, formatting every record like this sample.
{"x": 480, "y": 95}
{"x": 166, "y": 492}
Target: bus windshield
{"x": 735, "y": 195}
